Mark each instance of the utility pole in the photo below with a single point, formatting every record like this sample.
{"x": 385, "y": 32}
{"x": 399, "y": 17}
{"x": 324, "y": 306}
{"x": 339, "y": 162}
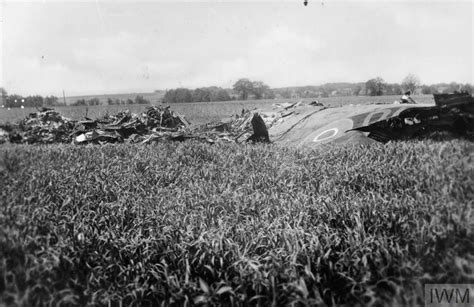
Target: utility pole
{"x": 64, "y": 98}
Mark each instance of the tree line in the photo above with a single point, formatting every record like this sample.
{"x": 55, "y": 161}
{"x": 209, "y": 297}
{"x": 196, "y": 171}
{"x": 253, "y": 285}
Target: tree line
{"x": 411, "y": 83}
{"x": 18, "y": 101}
{"x": 372, "y": 87}
{"x": 243, "y": 89}
{"x": 259, "y": 90}
{"x": 203, "y": 94}
{"x": 96, "y": 101}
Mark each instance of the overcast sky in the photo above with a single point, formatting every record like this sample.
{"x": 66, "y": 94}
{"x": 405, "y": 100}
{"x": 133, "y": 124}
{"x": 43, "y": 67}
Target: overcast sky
{"x": 118, "y": 47}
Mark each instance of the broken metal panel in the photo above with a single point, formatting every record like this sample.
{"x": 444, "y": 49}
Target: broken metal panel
{"x": 318, "y": 125}
{"x": 369, "y": 123}
{"x": 260, "y": 131}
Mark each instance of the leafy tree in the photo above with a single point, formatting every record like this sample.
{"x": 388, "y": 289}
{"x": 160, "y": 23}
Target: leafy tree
{"x": 329, "y": 89}
{"x": 115, "y": 101}
{"x": 375, "y": 87}
{"x": 286, "y": 94}
{"x": 466, "y": 88}
{"x": 50, "y": 100}
{"x": 183, "y": 95}
{"x": 221, "y": 95}
{"x": 324, "y": 94}
{"x": 34, "y": 101}
{"x": 93, "y": 102}
{"x": 426, "y": 90}
{"x": 452, "y": 87}
{"x": 393, "y": 89}
{"x": 13, "y": 101}
{"x": 80, "y": 102}
{"x": 398, "y": 90}
{"x": 214, "y": 93}
{"x": 269, "y": 94}
{"x": 169, "y": 97}
{"x": 129, "y": 101}
{"x": 243, "y": 87}
{"x": 140, "y": 100}
{"x": 434, "y": 89}
{"x": 201, "y": 95}
{"x": 178, "y": 95}
{"x": 410, "y": 83}
{"x": 357, "y": 90}
{"x": 258, "y": 89}
{"x": 4, "y": 95}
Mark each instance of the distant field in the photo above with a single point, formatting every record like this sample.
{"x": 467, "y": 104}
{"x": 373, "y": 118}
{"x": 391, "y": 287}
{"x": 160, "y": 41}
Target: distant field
{"x": 201, "y": 112}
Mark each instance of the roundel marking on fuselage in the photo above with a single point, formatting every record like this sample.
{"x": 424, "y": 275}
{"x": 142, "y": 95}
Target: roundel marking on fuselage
{"x": 327, "y": 134}
{"x": 331, "y": 131}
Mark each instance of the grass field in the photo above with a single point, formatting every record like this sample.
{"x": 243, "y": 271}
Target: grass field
{"x": 200, "y": 112}
{"x": 192, "y": 223}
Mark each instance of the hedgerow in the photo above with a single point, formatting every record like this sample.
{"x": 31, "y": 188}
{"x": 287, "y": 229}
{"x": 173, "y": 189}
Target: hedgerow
{"x": 192, "y": 223}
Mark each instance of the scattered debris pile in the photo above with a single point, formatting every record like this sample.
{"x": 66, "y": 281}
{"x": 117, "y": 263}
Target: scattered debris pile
{"x": 45, "y": 126}
{"x": 161, "y": 123}
{"x": 155, "y": 124}
{"x": 239, "y": 129}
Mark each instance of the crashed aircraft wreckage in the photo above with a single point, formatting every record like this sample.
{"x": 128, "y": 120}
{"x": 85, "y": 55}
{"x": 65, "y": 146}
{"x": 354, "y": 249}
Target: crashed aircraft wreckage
{"x": 289, "y": 124}
{"x": 310, "y": 127}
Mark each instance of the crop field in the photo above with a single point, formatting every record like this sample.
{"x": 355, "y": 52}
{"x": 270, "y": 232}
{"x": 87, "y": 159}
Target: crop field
{"x": 192, "y": 223}
{"x": 200, "y": 112}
